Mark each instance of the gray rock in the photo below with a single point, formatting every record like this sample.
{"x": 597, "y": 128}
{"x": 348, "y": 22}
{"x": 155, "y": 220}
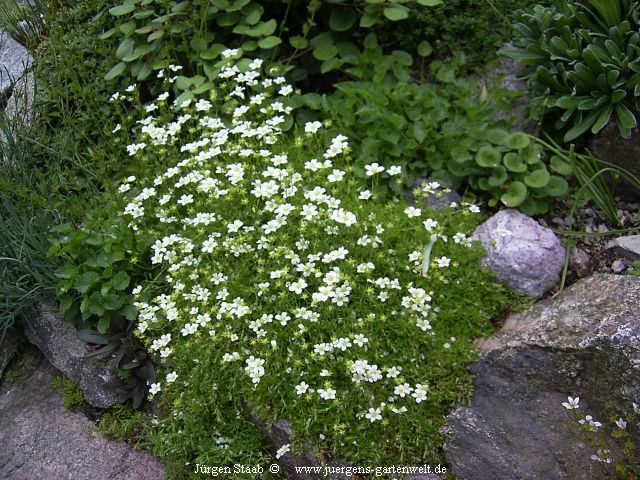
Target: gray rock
{"x": 580, "y": 262}
{"x": 14, "y": 61}
{"x": 523, "y": 254}
{"x": 280, "y": 434}
{"x": 8, "y": 347}
{"x": 628, "y": 247}
{"x": 58, "y": 341}
{"x": 608, "y": 145}
{"x": 440, "y": 198}
{"x": 585, "y": 343}
{"x": 20, "y": 105}
{"x": 41, "y": 440}
{"x": 618, "y": 266}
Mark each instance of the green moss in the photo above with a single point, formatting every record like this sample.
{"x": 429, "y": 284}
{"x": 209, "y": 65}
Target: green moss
{"x": 71, "y": 393}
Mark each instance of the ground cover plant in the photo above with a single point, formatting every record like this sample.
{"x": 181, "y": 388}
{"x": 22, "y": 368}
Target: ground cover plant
{"x": 445, "y": 129}
{"x": 288, "y": 288}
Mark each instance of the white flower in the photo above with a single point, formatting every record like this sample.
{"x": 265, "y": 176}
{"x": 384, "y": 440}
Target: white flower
{"x": 302, "y": 388}
{"x": 336, "y": 176}
{"x": 430, "y": 224}
{"x": 474, "y": 209}
{"x": 412, "y": 212}
{"x": 621, "y": 423}
{"x": 373, "y": 168}
{"x": 286, "y": 90}
{"x": 185, "y": 200}
{"x": 420, "y": 393}
{"x": 282, "y": 450}
{"x": 171, "y": 377}
{"x": 375, "y": 414}
{"x": 364, "y": 195}
{"x": 572, "y": 403}
{"x": 298, "y": 286}
{"x": 312, "y": 127}
{"x": 403, "y": 390}
{"x": 155, "y": 388}
{"x": 360, "y": 340}
{"x": 443, "y": 262}
{"x": 327, "y": 394}
{"x": 394, "y": 170}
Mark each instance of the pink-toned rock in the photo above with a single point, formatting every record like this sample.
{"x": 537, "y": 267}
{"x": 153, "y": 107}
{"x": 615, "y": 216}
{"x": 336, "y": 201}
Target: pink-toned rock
{"x": 523, "y": 254}
{"x": 40, "y": 439}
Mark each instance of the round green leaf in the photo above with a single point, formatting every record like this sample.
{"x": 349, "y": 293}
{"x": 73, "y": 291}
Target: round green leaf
{"x": 498, "y": 176}
{"x": 560, "y": 166}
{"x": 488, "y": 157}
{"x": 396, "y": 12}
{"x": 299, "y": 42}
{"x": 269, "y": 42}
{"x": 429, "y": 3}
{"x": 425, "y": 49}
{"x": 514, "y": 162}
{"x": 556, "y": 187}
{"x": 342, "y": 19}
{"x": 531, "y": 154}
{"x": 517, "y": 140}
{"x": 533, "y": 206}
{"x": 515, "y": 195}
{"x": 325, "y": 51}
{"x": 497, "y": 136}
{"x": 538, "y": 178}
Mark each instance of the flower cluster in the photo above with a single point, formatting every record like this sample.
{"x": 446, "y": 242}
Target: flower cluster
{"x": 279, "y": 274}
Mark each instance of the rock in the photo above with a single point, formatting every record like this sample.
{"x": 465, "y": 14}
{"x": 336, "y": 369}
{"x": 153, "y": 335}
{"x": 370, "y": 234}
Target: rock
{"x": 580, "y": 262}
{"x": 438, "y": 199}
{"x": 523, "y": 254}
{"x": 8, "y": 347}
{"x": 585, "y": 343}
{"x": 506, "y": 75}
{"x": 618, "y": 266}
{"x": 608, "y": 145}
{"x": 20, "y": 104}
{"x": 58, "y": 341}
{"x": 318, "y": 467}
{"x": 40, "y": 439}
{"x": 14, "y": 60}
{"x": 628, "y": 247}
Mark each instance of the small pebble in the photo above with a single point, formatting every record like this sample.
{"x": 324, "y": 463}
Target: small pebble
{"x": 618, "y": 266}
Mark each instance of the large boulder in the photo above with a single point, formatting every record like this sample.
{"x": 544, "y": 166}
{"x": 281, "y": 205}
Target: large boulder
{"x": 608, "y": 145}
{"x": 14, "y": 61}
{"x": 522, "y": 253}
{"x": 58, "y": 341}
{"x": 42, "y": 440}
{"x": 584, "y": 343}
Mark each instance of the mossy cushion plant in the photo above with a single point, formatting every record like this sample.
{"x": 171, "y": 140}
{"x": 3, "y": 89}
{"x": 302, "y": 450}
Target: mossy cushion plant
{"x": 288, "y": 288}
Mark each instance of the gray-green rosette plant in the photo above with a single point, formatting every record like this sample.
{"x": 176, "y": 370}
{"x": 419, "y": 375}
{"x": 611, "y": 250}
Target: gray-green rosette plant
{"x": 582, "y": 62}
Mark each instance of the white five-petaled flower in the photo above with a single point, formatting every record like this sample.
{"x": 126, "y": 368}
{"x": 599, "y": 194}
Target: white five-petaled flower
{"x": 412, "y": 212}
{"x": 327, "y": 394}
{"x": 375, "y": 414}
{"x": 373, "y": 168}
{"x": 171, "y": 377}
{"x": 302, "y": 388}
{"x": 394, "y": 170}
{"x": 155, "y": 388}
{"x": 572, "y": 403}
{"x": 312, "y": 127}
{"x": 403, "y": 390}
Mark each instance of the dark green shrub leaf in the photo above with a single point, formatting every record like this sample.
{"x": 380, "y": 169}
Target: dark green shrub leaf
{"x": 121, "y": 280}
{"x": 122, "y": 9}
{"x": 298, "y": 42}
{"x": 396, "y": 13}
{"x": 425, "y": 49}
{"x": 560, "y": 166}
{"x": 488, "y": 157}
{"x": 556, "y": 187}
{"x": 269, "y": 42}
{"x": 342, "y": 19}
{"x": 514, "y": 162}
{"x": 517, "y": 141}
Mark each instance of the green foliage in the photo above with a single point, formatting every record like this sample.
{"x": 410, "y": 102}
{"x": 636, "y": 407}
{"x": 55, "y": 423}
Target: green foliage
{"x": 24, "y": 23}
{"x": 122, "y": 424}
{"x": 315, "y": 36}
{"x": 71, "y": 393}
{"x": 100, "y": 261}
{"x": 582, "y": 63}
{"x": 478, "y": 28}
{"x": 443, "y": 130}
{"x": 135, "y": 365}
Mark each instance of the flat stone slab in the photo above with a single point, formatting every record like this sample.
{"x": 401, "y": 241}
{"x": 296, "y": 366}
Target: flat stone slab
{"x": 628, "y": 247}
{"x": 14, "y": 61}
{"x": 40, "y": 439}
